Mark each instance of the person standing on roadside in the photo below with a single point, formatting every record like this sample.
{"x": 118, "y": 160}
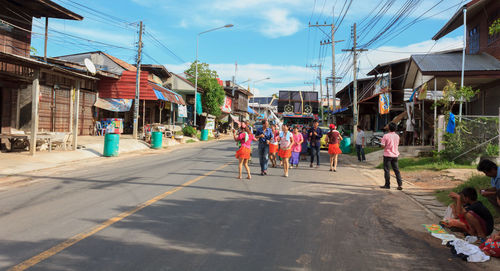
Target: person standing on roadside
{"x": 333, "y": 138}
{"x": 296, "y": 147}
{"x": 315, "y": 135}
{"x": 285, "y": 152}
{"x": 390, "y": 143}
{"x": 305, "y": 144}
{"x": 265, "y": 136}
{"x": 360, "y": 145}
{"x": 243, "y": 154}
{"x": 273, "y": 146}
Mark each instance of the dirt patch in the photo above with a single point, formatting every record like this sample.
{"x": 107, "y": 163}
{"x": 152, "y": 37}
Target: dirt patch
{"x": 444, "y": 179}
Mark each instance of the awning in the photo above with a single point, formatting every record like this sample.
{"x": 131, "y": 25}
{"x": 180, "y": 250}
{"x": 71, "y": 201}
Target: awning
{"x": 159, "y": 95}
{"x": 166, "y": 94}
{"x": 340, "y": 110}
{"x": 235, "y": 119}
{"x": 250, "y": 110}
{"x": 115, "y": 105}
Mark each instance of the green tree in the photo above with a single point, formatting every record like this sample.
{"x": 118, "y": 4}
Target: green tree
{"x": 213, "y": 93}
{"x": 495, "y": 27}
{"x": 452, "y": 94}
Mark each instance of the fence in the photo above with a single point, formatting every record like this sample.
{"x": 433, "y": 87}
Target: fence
{"x": 474, "y": 137}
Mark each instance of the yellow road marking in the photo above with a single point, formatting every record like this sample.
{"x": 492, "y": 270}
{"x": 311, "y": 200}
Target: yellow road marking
{"x": 79, "y": 237}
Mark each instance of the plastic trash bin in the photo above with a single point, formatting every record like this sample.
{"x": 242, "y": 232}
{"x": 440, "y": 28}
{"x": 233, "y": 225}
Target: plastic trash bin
{"x": 204, "y": 135}
{"x": 345, "y": 145}
{"x": 156, "y": 140}
{"x": 111, "y": 144}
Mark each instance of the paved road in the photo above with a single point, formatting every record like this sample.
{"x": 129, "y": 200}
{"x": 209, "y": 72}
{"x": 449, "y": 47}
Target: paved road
{"x": 195, "y": 215}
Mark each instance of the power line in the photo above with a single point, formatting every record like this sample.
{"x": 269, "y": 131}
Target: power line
{"x": 158, "y": 42}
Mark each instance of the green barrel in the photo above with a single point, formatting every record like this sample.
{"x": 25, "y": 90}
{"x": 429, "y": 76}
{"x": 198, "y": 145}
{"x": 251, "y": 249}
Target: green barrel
{"x": 345, "y": 145}
{"x": 111, "y": 144}
{"x": 156, "y": 140}
{"x": 204, "y": 135}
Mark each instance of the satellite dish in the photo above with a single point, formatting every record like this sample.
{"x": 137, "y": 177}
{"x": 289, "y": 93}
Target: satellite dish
{"x": 90, "y": 66}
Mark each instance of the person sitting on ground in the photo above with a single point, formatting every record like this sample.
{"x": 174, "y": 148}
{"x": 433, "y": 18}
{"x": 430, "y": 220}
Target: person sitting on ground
{"x": 490, "y": 169}
{"x": 471, "y": 216}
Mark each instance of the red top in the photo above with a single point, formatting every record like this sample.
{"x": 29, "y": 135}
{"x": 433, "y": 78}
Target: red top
{"x": 333, "y": 137}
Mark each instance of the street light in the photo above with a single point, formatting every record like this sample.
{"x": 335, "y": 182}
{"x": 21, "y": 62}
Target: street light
{"x": 196, "y": 67}
{"x": 267, "y": 78}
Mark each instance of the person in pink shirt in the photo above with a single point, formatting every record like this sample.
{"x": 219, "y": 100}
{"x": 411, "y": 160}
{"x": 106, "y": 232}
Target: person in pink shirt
{"x": 390, "y": 143}
{"x": 245, "y": 138}
{"x": 296, "y": 147}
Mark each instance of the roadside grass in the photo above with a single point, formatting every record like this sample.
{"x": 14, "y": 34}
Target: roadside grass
{"x": 368, "y": 149}
{"x": 478, "y": 182}
{"x": 426, "y": 163}
{"x": 190, "y": 141}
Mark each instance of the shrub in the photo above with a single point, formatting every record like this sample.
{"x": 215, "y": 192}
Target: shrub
{"x": 189, "y": 131}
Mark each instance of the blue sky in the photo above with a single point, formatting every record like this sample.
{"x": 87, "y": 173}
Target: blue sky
{"x": 269, "y": 38}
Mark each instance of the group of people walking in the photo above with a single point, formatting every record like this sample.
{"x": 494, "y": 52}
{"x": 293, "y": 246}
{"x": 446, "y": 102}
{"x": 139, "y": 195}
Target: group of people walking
{"x": 285, "y": 146}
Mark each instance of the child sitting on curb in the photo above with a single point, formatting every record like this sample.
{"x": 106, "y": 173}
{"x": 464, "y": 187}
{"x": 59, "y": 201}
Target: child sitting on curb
{"x": 470, "y": 215}
{"x": 492, "y": 246}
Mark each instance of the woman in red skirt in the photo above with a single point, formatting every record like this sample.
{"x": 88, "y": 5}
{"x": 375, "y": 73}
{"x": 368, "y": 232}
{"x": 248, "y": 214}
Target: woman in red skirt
{"x": 334, "y": 139}
{"x": 273, "y": 146}
{"x": 286, "y": 141}
{"x": 243, "y": 154}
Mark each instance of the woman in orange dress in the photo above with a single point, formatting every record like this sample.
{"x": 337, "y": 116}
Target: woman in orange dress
{"x": 243, "y": 154}
{"x": 273, "y": 146}
{"x": 286, "y": 141}
{"x": 334, "y": 139}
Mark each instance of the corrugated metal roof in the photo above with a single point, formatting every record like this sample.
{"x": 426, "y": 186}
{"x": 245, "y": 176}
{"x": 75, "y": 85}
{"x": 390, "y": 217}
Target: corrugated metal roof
{"x": 124, "y": 88}
{"x": 453, "y": 62}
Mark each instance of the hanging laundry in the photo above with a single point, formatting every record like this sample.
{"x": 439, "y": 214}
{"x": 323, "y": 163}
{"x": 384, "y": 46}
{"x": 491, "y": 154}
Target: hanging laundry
{"x": 450, "y": 128}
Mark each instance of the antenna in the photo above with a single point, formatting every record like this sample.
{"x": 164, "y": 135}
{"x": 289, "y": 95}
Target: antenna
{"x": 90, "y": 66}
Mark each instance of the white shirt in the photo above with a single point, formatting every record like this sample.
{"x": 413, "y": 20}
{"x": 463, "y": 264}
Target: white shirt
{"x": 359, "y": 139}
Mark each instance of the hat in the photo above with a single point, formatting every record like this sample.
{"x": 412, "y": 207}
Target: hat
{"x": 332, "y": 126}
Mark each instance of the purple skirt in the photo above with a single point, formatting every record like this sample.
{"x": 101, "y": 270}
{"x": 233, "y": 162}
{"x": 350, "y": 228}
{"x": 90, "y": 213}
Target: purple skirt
{"x": 294, "y": 160}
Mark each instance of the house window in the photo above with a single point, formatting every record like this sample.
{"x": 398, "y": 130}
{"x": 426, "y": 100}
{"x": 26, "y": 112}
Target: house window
{"x": 474, "y": 40}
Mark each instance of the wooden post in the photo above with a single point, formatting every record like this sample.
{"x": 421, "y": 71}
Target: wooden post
{"x": 440, "y": 132}
{"x": 18, "y": 108}
{"x": 423, "y": 123}
{"x": 75, "y": 115}
{"x": 71, "y": 101}
{"x": 435, "y": 112}
{"x": 35, "y": 96}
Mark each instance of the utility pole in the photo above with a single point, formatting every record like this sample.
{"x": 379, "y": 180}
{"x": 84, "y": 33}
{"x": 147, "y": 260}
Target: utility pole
{"x": 45, "y": 39}
{"x": 137, "y": 83}
{"x": 332, "y": 41}
{"x": 355, "y": 51}
{"x": 320, "y": 88}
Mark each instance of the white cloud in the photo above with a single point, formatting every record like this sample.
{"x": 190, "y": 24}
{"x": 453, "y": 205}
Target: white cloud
{"x": 279, "y": 23}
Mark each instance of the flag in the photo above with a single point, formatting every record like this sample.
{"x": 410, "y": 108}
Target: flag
{"x": 384, "y": 103}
